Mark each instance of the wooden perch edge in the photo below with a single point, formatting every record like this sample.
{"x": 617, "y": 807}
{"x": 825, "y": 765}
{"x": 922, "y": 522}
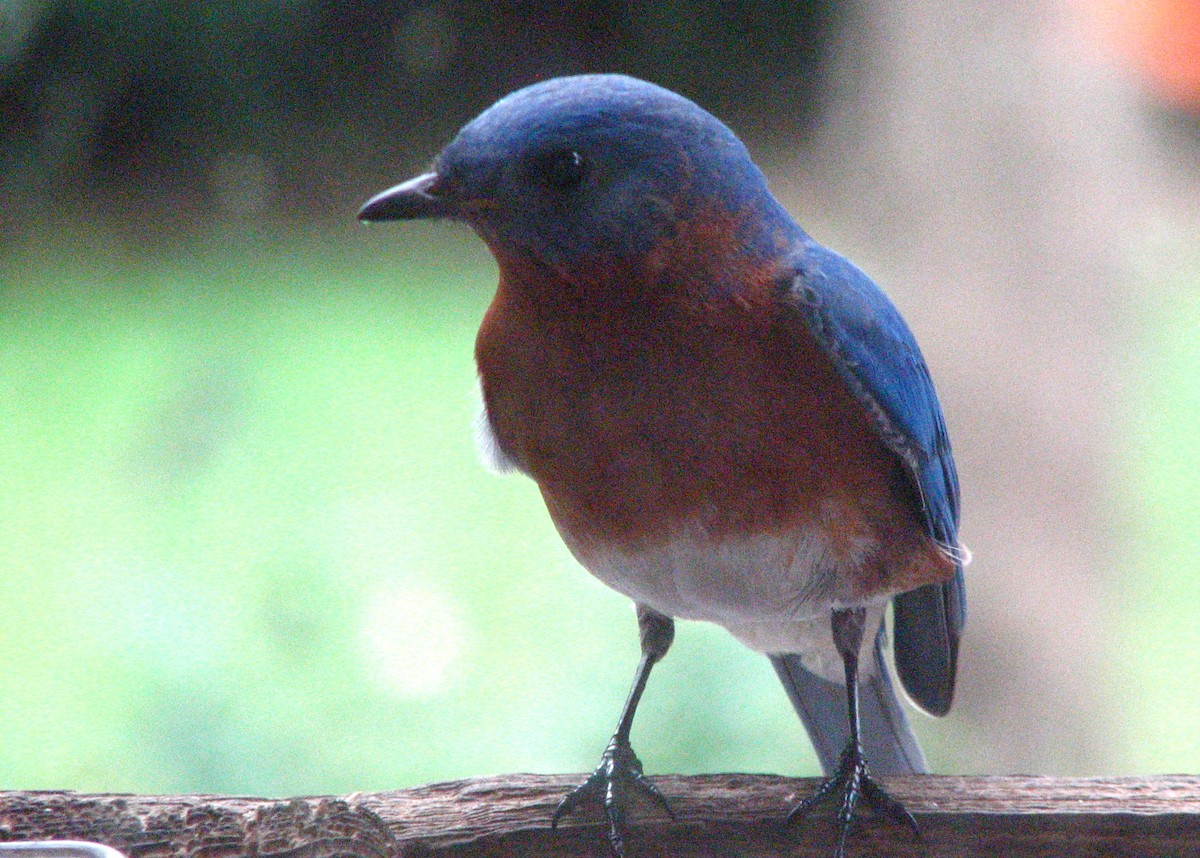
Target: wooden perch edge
{"x": 717, "y": 815}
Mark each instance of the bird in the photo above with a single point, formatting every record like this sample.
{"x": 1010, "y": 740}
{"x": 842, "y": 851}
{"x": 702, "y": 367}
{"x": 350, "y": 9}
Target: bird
{"x": 727, "y": 421}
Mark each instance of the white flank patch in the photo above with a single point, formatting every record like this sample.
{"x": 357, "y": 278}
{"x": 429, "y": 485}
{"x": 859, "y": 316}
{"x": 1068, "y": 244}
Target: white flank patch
{"x": 487, "y": 447}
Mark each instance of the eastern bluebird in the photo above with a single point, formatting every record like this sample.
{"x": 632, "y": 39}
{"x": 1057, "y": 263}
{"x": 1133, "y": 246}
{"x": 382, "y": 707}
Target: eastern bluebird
{"x": 727, "y": 421}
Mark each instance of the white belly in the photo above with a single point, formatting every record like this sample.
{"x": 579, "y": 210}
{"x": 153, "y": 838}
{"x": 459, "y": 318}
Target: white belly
{"x": 773, "y": 593}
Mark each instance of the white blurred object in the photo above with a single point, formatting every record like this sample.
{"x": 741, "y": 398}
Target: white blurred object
{"x": 57, "y": 849}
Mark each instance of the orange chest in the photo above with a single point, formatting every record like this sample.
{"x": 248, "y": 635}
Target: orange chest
{"x": 728, "y": 417}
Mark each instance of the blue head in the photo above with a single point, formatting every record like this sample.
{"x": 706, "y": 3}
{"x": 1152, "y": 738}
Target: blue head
{"x": 593, "y": 167}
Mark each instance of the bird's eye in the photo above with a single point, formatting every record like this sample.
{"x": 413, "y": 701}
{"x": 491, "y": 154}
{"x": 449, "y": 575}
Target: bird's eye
{"x": 563, "y": 169}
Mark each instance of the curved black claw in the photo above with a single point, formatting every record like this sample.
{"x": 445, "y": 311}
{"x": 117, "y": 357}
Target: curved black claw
{"x": 853, "y": 781}
{"x": 619, "y": 770}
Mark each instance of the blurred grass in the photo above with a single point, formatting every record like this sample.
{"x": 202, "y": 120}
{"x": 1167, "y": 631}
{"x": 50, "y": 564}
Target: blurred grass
{"x": 246, "y": 547}
{"x": 1157, "y": 603}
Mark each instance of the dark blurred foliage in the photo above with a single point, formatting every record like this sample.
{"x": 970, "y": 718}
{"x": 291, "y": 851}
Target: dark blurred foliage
{"x": 151, "y": 109}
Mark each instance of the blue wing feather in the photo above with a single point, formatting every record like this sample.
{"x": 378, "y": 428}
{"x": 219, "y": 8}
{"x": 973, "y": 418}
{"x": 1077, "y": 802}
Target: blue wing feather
{"x": 876, "y": 354}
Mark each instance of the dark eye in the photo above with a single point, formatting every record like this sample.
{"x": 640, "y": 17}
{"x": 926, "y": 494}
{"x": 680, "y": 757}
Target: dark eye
{"x": 562, "y": 169}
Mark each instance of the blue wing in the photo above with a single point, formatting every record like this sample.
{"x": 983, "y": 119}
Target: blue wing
{"x": 876, "y": 354}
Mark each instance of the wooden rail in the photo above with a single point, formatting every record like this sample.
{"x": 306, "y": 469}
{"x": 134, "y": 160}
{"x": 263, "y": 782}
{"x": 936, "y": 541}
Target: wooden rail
{"x": 717, "y": 815}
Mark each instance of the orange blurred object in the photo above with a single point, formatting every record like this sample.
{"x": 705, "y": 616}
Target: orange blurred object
{"x": 1160, "y": 37}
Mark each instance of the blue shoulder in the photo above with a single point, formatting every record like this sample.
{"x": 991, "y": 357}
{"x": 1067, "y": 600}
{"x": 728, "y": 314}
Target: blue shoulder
{"x": 877, "y": 356}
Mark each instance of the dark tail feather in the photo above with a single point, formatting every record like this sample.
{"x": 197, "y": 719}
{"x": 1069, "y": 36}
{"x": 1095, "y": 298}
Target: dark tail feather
{"x": 891, "y": 748}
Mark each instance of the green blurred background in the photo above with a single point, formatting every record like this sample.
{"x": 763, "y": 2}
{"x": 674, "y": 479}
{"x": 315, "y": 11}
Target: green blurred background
{"x": 245, "y": 545}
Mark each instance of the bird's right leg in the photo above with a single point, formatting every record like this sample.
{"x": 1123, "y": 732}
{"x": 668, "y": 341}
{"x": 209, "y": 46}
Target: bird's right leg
{"x": 619, "y": 767}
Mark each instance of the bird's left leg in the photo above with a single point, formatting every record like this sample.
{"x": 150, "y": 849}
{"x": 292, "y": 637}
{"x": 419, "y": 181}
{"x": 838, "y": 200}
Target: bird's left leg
{"x": 619, "y": 767}
{"x": 852, "y": 780}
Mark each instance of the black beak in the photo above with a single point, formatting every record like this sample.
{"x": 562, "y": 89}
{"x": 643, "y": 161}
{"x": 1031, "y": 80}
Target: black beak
{"x": 411, "y": 200}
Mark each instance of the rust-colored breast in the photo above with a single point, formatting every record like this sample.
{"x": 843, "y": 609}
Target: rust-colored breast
{"x": 641, "y": 415}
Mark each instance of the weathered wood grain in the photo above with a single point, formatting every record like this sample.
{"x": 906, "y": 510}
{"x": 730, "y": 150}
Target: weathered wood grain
{"x": 717, "y": 815}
